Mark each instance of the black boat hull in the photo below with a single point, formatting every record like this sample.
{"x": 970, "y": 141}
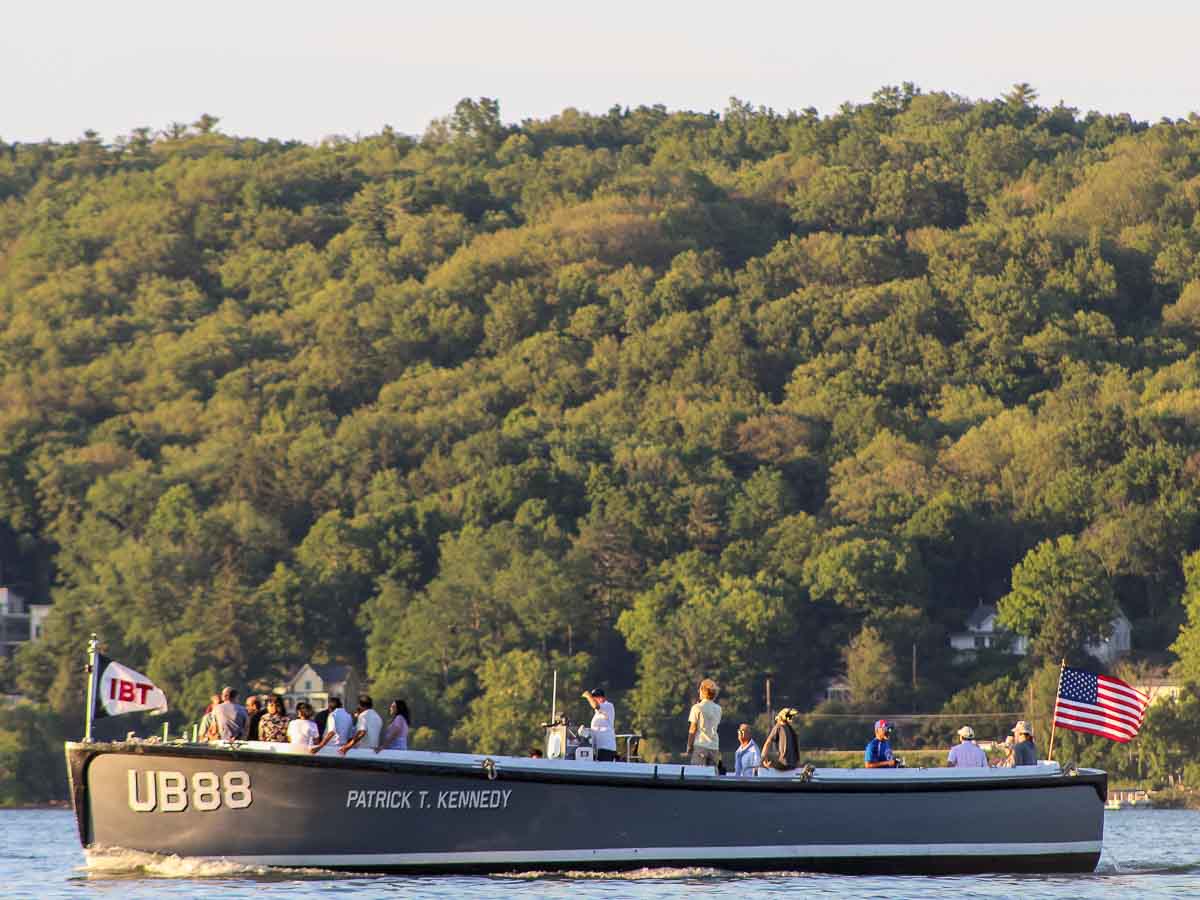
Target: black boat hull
{"x": 371, "y": 813}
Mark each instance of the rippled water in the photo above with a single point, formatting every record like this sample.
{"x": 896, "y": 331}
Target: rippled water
{"x": 1148, "y": 853}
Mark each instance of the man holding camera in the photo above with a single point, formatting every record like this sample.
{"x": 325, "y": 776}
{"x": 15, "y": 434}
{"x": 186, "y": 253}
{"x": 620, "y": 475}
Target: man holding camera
{"x": 878, "y": 754}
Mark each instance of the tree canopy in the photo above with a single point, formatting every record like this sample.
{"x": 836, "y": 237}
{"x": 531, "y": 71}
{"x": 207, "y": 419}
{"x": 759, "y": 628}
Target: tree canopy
{"x": 643, "y": 396}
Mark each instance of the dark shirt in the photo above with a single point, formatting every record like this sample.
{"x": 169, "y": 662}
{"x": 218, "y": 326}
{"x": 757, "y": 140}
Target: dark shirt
{"x": 252, "y": 727}
{"x": 1025, "y": 754}
{"x": 781, "y": 749}
{"x": 320, "y": 718}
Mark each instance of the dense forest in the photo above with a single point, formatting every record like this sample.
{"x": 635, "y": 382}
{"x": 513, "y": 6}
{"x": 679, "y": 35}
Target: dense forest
{"x": 638, "y": 397}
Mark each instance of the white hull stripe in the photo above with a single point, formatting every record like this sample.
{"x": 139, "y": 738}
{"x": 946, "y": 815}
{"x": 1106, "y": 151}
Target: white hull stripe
{"x": 651, "y": 854}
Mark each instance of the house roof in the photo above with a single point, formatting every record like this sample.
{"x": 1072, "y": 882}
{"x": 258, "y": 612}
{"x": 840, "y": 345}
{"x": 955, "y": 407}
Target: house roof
{"x": 332, "y": 674}
{"x": 979, "y": 615}
{"x": 329, "y": 673}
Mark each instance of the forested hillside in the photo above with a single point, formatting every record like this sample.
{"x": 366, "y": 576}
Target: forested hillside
{"x": 641, "y": 396}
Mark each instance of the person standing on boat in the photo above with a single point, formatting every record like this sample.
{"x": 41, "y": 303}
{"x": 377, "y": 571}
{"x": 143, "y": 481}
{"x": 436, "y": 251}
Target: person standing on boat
{"x": 396, "y": 735}
{"x": 967, "y": 754}
{"x": 230, "y": 717}
{"x": 302, "y": 731}
{"x": 1024, "y": 749}
{"x": 367, "y": 726}
{"x": 745, "y": 758}
{"x": 878, "y": 754}
{"x": 704, "y": 746}
{"x": 338, "y": 727}
{"x": 273, "y": 726}
{"x": 604, "y": 725}
{"x": 781, "y": 749}
{"x": 254, "y": 713}
{"x": 208, "y": 725}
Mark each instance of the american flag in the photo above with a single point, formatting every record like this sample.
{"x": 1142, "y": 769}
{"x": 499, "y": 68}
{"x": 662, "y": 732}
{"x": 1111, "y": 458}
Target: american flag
{"x": 1097, "y": 704}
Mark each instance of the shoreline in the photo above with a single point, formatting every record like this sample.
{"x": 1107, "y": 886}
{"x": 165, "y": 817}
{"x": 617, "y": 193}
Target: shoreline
{"x": 48, "y": 804}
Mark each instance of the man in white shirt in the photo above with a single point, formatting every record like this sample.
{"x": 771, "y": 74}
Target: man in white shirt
{"x": 339, "y": 727}
{"x": 967, "y": 754}
{"x": 704, "y": 747}
{"x": 604, "y": 725}
{"x": 367, "y": 726}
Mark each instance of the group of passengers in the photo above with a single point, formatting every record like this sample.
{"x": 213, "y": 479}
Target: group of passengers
{"x": 267, "y": 720}
{"x": 1020, "y": 749}
{"x": 780, "y": 751}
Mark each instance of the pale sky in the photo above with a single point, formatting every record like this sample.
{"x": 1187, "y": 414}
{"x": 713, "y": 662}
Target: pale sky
{"x": 307, "y": 70}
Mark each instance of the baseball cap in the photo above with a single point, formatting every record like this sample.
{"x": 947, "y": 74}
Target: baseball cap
{"x": 884, "y": 724}
{"x": 1022, "y": 727}
{"x": 598, "y": 692}
{"x": 967, "y": 733}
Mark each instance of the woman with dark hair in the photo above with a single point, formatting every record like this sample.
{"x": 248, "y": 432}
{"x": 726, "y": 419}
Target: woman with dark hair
{"x": 302, "y": 732}
{"x": 395, "y": 736}
{"x": 273, "y": 726}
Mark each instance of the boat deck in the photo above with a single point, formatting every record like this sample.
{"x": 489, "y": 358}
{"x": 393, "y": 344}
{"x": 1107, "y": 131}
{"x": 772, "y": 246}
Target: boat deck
{"x": 620, "y": 771}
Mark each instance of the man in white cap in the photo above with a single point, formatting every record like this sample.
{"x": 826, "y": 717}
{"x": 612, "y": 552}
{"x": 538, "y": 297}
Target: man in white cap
{"x": 968, "y": 754}
{"x": 1024, "y": 750}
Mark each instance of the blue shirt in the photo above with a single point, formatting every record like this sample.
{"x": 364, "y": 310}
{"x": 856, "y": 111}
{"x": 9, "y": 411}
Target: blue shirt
{"x": 878, "y": 751}
{"x": 745, "y": 759}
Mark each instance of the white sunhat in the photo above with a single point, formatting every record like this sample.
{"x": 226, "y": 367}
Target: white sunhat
{"x": 967, "y": 733}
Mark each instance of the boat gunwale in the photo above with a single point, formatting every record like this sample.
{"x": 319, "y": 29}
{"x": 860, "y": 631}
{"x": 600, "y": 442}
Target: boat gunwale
{"x": 668, "y": 780}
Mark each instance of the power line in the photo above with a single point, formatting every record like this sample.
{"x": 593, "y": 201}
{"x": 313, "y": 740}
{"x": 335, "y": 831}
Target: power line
{"x": 866, "y": 717}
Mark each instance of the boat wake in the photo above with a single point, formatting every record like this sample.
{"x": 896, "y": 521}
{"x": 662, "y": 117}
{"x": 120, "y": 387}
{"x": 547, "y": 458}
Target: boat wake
{"x": 661, "y": 873}
{"x": 115, "y": 862}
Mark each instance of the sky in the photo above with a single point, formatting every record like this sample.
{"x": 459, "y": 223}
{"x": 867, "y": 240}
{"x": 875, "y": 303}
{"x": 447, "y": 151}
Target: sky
{"x": 307, "y": 70}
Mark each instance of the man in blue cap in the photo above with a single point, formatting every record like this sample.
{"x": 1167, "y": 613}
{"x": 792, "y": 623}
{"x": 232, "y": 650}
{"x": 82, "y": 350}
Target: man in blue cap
{"x": 879, "y": 752}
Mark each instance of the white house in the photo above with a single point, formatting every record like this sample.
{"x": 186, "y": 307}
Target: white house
{"x": 37, "y": 620}
{"x": 982, "y": 634}
{"x": 14, "y": 622}
{"x": 837, "y": 689}
{"x": 1158, "y": 688}
{"x": 316, "y": 683}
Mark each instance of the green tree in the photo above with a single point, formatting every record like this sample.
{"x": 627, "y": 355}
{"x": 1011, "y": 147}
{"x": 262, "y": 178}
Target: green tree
{"x": 870, "y": 669}
{"x": 1061, "y": 600}
{"x": 515, "y": 698}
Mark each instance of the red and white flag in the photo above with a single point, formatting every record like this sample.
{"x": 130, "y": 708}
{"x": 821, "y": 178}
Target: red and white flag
{"x": 120, "y": 690}
{"x": 1097, "y": 704}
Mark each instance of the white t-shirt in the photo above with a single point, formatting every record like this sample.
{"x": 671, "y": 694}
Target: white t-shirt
{"x": 707, "y": 716}
{"x": 302, "y": 734}
{"x": 604, "y": 727}
{"x": 369, "y": 721}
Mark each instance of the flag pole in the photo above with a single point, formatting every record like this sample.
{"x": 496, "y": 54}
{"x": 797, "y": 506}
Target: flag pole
{"x": 90, "y": 708}
{"x": 1054, "y": 715}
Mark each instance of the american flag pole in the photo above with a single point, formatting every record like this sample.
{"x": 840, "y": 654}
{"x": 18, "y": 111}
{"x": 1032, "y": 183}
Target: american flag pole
{"x": 1062, "y": 667}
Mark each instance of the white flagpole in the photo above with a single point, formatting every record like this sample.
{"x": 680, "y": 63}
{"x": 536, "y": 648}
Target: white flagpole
{"x": 554, "y": 699}
{"x": 93, "y": 665}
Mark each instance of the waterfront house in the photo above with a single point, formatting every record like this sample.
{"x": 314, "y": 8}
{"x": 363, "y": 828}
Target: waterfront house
{"x": 317, "y": 682}
{"x": 982, "y": 633}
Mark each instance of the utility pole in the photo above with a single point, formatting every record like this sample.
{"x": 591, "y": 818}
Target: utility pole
{"x": 914, "y": 676}
{"x": 770, "y": 711}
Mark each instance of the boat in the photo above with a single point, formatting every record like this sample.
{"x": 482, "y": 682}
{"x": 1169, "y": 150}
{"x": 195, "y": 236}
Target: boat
{"x": 439, "y": 812}
{"x": 1127, "y": 798}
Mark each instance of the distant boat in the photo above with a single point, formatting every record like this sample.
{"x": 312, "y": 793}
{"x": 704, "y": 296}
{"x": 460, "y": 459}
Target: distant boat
{"x": 1127, "y": 798}
{"x": 260, "y": 804}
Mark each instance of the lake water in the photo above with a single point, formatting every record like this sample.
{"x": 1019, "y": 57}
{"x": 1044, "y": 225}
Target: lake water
{"x": 1148, "y": 853}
